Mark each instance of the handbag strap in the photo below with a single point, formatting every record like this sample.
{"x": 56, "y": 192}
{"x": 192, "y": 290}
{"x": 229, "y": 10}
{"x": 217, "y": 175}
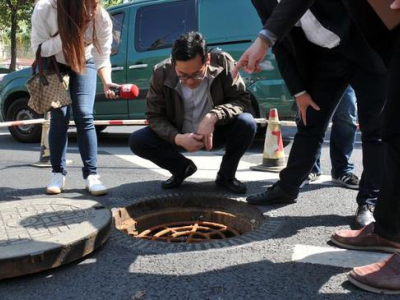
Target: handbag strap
{"x": 57, "y": 68}
{"x": 39, "y": 63}
{"x": 37, "y": 60}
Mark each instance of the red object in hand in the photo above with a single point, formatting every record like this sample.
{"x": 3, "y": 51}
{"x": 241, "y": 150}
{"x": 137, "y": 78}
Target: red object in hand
{"x": 126, "y": 91}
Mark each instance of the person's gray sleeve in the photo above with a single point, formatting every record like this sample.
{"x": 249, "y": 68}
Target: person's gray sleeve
{"x": 268, "y": 36}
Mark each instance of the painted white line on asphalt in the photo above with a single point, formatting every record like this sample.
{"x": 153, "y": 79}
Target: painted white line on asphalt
{"x": 4, "y": 133}
{"x": 336, "y": 257}
{"x": 208, "y": 165}
{"x": 206, "y": 162}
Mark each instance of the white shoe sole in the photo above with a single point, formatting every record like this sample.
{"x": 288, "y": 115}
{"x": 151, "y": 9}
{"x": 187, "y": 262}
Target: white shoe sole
{"x": 353, "y": 187}
{"x": 370, "y": 288}
{"x": 378, "y": 248}
{"x": 54, "y": 191}
{"x": 97, "y": 193}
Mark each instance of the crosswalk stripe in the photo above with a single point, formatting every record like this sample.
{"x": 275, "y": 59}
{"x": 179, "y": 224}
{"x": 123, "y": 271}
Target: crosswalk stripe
{"x": 336, "y": 257}
{"x": 207, "y": 163}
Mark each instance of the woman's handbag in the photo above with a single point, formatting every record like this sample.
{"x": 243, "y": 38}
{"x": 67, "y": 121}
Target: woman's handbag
{"x": 47, "y": 88}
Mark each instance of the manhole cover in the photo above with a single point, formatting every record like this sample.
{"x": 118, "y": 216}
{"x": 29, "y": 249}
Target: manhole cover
{"x": 39, "y": 234}
{"x": 192, "y": 218}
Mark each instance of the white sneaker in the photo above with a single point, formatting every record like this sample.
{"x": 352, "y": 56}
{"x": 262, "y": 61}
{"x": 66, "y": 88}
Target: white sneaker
{"x": 94, "y": 185}
{"x": 56, "y": 185}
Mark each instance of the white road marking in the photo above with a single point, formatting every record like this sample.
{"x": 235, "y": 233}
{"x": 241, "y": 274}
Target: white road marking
{"x": 336, "y": 257}
{"x": 207, "y": 163}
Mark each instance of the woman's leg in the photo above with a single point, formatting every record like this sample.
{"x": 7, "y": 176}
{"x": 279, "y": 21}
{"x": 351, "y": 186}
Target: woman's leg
{"x": 83, "y": 91}
{"x": 58, "y": 139}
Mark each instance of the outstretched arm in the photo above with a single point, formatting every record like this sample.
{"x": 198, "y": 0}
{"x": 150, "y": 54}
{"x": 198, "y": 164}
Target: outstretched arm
{"x": 284, "y": 17}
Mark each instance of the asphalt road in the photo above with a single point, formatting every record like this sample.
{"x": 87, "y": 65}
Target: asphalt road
{"x": 297, "y": 262}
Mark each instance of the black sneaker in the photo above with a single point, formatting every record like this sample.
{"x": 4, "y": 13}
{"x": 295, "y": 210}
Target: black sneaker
{"x": 365, "y": 215}
{"x": 311, "y": 178}
{"x": 350, "y": 181}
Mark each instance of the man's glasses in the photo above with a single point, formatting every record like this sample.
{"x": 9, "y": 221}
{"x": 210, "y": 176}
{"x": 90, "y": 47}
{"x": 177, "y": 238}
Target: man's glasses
{"x": 199, "y": 75}
{"x": 194, "y": 77}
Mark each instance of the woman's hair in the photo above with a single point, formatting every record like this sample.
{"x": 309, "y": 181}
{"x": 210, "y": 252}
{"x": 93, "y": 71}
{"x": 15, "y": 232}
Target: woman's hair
{"x": 73, "y": 19}
{"x": 187, "y": 46}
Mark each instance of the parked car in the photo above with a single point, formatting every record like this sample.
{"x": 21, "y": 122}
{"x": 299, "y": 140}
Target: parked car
{"x": 144, "y": 31}
{"x": 4, "y": 70}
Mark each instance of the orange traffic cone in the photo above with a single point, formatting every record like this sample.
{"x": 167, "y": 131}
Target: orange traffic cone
{"x": 273, "y": 156}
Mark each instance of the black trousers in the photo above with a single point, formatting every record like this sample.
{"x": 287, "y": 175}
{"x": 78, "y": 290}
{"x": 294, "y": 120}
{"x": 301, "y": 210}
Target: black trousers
{"x": 330, "y": 74}
{"x": 236, "y": 137}
{"x": 387, "y": 211}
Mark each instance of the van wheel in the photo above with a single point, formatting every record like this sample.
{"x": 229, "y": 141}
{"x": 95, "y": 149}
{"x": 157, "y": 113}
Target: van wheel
{"x": 19, "y": 111}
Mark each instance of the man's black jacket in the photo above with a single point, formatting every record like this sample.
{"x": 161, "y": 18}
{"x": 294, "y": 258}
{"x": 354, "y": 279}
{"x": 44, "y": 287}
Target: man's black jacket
{"x": 333, "y": 15}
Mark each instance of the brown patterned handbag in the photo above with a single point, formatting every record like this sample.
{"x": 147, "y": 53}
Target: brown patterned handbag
{"x": 47, "y": 88}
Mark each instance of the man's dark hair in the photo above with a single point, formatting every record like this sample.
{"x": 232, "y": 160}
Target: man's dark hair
{"x": 188, "y": 46}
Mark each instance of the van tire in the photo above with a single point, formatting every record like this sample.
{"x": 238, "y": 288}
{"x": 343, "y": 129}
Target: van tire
{"x": 19, "y": 111}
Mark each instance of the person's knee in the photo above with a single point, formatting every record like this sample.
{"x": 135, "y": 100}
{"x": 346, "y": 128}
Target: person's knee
{"x": 139, "y": 142}
{"x": 84, "y": 122}
{"x": 345, "y": 119}
{"x": 247, "y": 124}
{"x": 135, "y": 143}
{"x": 59, "y": 122}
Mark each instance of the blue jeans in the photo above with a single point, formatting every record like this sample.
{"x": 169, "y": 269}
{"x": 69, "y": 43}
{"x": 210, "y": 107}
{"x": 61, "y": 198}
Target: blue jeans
{"x": 236, "y": 137}
{"x": 343, "y": 134}
{"x": 83, "y": 90}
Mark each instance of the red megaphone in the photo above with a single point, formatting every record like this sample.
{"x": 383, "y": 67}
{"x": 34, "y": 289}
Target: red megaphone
{"x": 126, "y": 91}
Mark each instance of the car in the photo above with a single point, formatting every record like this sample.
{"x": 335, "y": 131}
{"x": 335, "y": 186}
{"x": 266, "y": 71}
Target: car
{"x": 144, "y": 31}
{"x": 4, "y": 70}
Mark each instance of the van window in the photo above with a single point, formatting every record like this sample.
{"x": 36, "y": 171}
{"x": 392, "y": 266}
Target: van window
{"x": 118, "y": 21}
{"x": 228, "y": 20}
{"x": 158, "y": 26}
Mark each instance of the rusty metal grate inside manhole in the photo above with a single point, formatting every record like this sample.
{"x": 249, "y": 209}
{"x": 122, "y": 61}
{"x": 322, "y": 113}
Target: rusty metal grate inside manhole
{"x": 187, "y": 219}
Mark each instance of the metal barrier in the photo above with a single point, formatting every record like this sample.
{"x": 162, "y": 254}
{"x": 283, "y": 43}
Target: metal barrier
{"x": 260, "y": 121}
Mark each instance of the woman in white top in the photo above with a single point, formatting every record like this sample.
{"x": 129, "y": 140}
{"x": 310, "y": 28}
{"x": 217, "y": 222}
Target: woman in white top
{"x": 79, "y": 34}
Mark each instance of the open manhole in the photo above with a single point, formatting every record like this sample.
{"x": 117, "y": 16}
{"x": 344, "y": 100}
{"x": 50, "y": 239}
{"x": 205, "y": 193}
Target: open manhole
{"x": 191, "y": 218}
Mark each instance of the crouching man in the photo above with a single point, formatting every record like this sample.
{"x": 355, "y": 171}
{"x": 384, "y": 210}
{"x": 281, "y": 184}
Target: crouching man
{"x": 194, "y": 103}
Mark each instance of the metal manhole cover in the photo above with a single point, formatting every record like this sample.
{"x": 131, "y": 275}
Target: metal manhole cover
{"x": 40, "y": 234}
{"x": 192, "y": 218}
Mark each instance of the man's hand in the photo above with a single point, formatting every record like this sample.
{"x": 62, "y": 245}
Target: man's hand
{"x": 206, "y": 129}
{"x": 252, "y": 58}
{"x": 303, "y": 102}
{"x": 190, "y": 141}
{"x": 395, "y": 4}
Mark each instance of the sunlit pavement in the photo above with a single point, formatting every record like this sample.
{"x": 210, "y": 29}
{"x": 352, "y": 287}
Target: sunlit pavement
{"x": 297, "y": 262}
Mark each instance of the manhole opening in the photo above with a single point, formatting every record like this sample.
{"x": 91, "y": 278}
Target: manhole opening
{"x": 179, "y": 219}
